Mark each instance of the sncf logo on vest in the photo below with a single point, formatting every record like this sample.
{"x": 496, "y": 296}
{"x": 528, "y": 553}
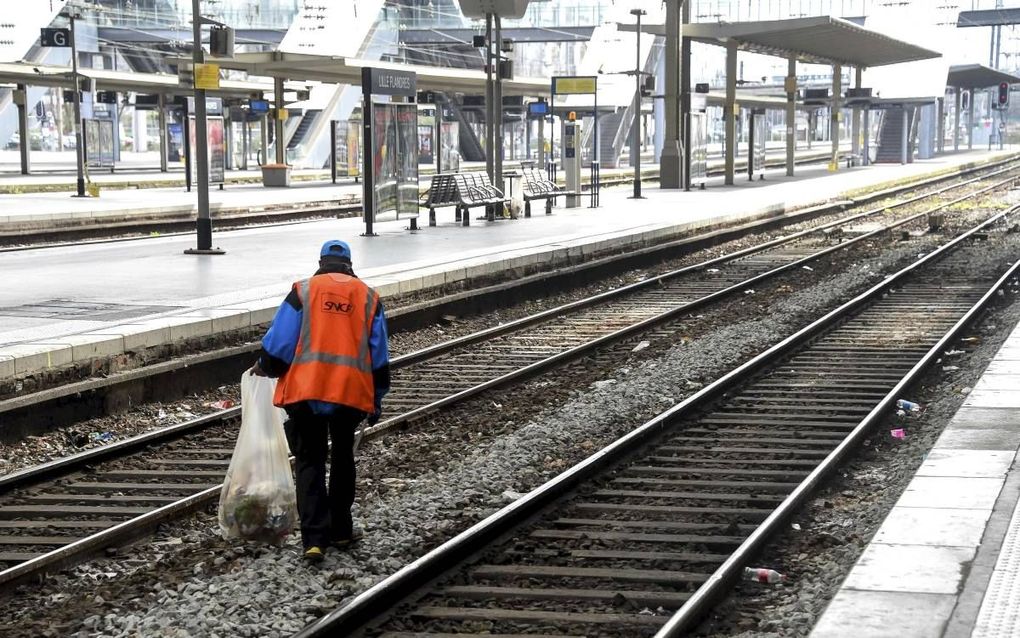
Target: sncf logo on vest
{"x": 337, "y": 304}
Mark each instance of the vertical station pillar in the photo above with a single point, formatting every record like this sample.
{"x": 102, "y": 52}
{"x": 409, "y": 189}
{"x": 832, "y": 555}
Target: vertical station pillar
{"x": 161, "y": 105}
{"x": 669, "y": 160}
{"x": 490, "y": 112}
{"x": 970, "y": 120}
{"x": 855, "y": 122}
{"x": 940, "y": 145}
{"x": 730, "y": 110}
{"x": 24, "y": 145}
{"x": 281, "y": 145}
{"x": 497, "y": 106}
{"x": 791, "y": 114}
{"x": 904, "y": 139}
{"x": 958, "y": 94}
{"x": 837, "y": 104}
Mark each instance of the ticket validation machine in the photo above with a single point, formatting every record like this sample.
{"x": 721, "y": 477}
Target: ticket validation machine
{"x": 571, "y": 159}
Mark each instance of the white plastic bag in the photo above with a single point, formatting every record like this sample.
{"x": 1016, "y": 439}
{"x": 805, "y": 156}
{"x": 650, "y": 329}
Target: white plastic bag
{"x": 258, "y": 500}
{"x": 517, "y": 199}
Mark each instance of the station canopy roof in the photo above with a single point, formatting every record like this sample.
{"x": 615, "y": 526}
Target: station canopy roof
{"x": 32, "y": 74}
{"x": 340, "y": 70}
{"x": 977, "y": 76}
{"x": 818, "y": 40}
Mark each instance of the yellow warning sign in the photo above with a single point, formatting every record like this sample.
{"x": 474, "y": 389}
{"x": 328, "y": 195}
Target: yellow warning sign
{"x": 573, "y": 85}
{"x": 207, "y": 76}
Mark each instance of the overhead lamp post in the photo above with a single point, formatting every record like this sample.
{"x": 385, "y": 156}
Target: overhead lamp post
{"x": 79, "y": 150}
{"x": 636, "y": 143}
{"x": 204, "y": 221}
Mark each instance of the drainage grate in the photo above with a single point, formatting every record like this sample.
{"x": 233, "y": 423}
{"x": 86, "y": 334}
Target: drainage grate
{"x": 89, "y": 310}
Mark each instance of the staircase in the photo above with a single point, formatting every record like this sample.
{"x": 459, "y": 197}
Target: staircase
{"x": 307, "y": 118}
{"x": 470, "y": 148}
{"x": 890, "y": 136}
{"x": 609, "y": 130}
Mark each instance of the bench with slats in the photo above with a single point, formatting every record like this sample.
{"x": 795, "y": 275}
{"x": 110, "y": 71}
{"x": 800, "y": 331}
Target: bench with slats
{"x": 536, "y": 186}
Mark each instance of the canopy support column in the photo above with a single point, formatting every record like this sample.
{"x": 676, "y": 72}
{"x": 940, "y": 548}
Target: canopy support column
{"x": 855, "y": 122}
{"x": 958, "y": 93}
{"x": 970, "y": 120}
{"x": 791, "y": 114}
{"x": 730, "y": 110}
{"x": 669, "y": 160}
{"x": 161, "y": 105}
{"x": 281, "y": 144}
{"x": 24, "y": 144}
{"x": 837, "y": 89}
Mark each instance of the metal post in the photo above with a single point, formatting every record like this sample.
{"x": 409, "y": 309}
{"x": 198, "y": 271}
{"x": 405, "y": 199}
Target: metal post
{"x": 79, "y": 148}
{"x": 161, "y": 104}
{"x": 203, "y": 223}
{"x": 670, "y": 159}
{"x": 956, "y": 118}
{"x": 635, "y": 147}
{"x": 941, "y": 144}
{"x": 970, "y": 120}
{"x": 867, "y": 136}
{"x": 332, "y": 151}
{"x": 24, "y": 145}
{"x": 281, "y": 145}
{"x": 437, "y": 146}
{"x": 497, "y": 105}
{"x": 264, "y": 138}
{"x": 245, "y": 143}
{"x": 855, "y": 122}
{"x": 750, "y": 146}
{"x": 541, "y": 141}
{"x": 489, "y": 111}
{"x": 368, "y": 183}
{"x": 904, "y": 137}
{"x": 685, "y": 97}
{"x": 730, "y": 110}
{"x": 837, "y": 89}
{"x": 791, "y": 114}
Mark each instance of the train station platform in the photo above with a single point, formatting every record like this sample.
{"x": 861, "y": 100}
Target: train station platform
{"x": 45, "y": 204}
{"x": 75, "y": 304}
{"x": 946, "y": 560}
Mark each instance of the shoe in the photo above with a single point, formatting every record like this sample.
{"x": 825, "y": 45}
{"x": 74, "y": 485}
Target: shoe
{"x": 314, "y": 554}
{"x": 343, "y": 543}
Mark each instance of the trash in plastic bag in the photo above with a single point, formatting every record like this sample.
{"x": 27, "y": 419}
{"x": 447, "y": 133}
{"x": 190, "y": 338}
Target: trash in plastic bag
{"x": 258, "y": 501}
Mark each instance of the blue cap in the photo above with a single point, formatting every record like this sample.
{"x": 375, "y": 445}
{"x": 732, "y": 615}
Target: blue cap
{"x": 335, "y": 248}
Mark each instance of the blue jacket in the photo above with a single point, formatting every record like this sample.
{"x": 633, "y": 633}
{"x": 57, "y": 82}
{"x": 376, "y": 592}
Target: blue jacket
{"x": 280, "y": 343}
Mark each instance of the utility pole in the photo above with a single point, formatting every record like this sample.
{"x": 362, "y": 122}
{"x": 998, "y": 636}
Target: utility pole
{"x": 635, "y": 147}
{"x": 203, "y": 222}
{"x": 79, "y": 149}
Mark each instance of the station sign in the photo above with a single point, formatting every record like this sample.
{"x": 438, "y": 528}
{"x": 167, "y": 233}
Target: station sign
{"x": 574, "y": 85}
{"x": 389, "y": 82}
{"x": 207, "y": 76}
{"x": 213, "y": 105}
{"x": 55, "y": 37}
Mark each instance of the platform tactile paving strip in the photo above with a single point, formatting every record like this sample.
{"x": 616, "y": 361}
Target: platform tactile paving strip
{"x": 1000, "y": 609}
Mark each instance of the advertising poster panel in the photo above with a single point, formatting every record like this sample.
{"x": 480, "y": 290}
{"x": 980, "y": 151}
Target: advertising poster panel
{"x": 217, "y": 150}
{"x": 395, "y": 160}
{"x": 449, "y": 147}
{"x": 426, "y": 136}
{"x": 699, "y": 148}
{"x": 215, "y": 147}
{"x": 348, "y": 148}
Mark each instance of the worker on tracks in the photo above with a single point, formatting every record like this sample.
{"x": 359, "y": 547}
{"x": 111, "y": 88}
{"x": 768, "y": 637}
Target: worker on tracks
{"x": 327, "y": 345}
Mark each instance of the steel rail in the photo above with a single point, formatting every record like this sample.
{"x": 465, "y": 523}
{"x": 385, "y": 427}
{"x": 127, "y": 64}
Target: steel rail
{"x": 135, "y": 527}
{"x": 119, "y": 448}
{"x": 24, "y": 402}
{"x": 430, "y": 567}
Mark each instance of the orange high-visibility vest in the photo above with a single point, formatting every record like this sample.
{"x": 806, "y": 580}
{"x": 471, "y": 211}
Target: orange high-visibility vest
{"x": 332, "y": 361}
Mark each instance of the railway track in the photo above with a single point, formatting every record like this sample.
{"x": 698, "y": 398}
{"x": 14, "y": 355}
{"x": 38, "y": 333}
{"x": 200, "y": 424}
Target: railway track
{"x": 55, "y": 514}
{"x": 646, "y": 535}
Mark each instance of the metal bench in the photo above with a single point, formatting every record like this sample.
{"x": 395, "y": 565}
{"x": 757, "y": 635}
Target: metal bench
{"x": 536, "y": 186}
{"x": 463, "y": 191}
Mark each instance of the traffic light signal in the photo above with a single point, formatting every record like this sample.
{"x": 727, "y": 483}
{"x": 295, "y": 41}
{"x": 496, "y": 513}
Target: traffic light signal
{"x": 1003, "y": 97}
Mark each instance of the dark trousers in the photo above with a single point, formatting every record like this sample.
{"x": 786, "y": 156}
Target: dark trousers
{"x": 325, "y": 516}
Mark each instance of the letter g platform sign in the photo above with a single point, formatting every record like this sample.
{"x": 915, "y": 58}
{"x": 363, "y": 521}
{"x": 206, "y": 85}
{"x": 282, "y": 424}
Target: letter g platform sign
{"x": 55, "y": 37}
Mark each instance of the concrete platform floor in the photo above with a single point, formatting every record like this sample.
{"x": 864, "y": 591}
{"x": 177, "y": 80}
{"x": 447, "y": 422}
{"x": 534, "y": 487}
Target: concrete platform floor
{"x": 70, "y": 304}
{"x": 946, "y": 560}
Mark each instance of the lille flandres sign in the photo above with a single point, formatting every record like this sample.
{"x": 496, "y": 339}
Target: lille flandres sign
{"x": 390, "y": 82}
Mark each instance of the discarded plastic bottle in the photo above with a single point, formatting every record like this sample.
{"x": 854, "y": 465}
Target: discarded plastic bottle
{"x": 763, "y": 575}
{"x": 909, "y": 406}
